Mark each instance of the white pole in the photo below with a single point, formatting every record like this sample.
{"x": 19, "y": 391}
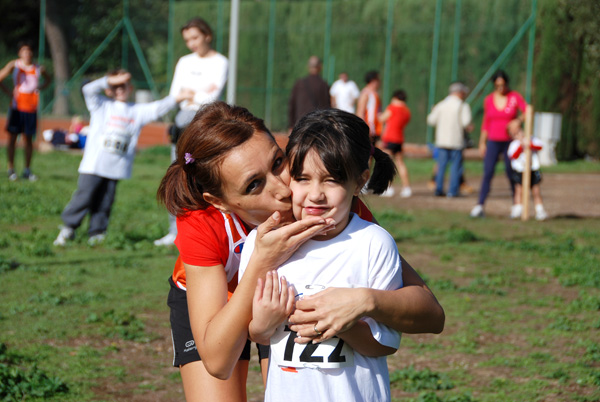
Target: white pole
{"x": 233, "y": 49}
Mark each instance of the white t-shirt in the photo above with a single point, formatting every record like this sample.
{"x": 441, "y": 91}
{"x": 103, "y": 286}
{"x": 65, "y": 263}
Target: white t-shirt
{"x": 362, "y": 255}
{"x": 517, "y": 155}
{"x": 450, "y": 117}
{"x": 345, "y": 94}
{"x": 204, "y": 75}
{"x": 114, "y": 130}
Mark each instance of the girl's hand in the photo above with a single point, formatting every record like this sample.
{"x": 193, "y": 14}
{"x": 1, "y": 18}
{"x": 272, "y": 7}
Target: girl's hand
{"x": 271, "y": 306}
{"x": 332, "y": 311}
{"x": 275, "y": 243}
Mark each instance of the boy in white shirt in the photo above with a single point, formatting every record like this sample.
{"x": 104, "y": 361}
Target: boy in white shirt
{"x": 517, "y": 156}
{"x": 115, "y": 126}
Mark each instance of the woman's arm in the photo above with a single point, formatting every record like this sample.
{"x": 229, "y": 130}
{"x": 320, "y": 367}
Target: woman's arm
{"x": 483, "y": 142}
{"x": 360, "y": 338}
{"x": 410, "y": 309}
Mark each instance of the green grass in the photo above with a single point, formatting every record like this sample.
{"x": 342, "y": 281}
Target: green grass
{"x": 521, "y": 298}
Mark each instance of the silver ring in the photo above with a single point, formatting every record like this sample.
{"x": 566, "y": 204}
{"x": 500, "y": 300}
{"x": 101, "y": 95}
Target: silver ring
{"x": 316, "y": 330}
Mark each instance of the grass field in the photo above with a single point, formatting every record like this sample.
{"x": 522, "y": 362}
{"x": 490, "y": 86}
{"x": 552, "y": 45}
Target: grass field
{"x": 522, "y": 299}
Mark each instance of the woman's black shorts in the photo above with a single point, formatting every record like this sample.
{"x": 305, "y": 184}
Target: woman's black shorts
{"x": 184, "y": 347}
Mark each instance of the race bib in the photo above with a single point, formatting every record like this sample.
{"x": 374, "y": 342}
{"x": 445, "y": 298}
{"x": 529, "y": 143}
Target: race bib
{"x": 329, "y": 354}
{"x": 116, "y": 142}
{"x": 332, "y": 353}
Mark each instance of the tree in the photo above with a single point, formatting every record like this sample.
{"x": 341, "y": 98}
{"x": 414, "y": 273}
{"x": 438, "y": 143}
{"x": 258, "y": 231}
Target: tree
{"x": 59, "y": 49}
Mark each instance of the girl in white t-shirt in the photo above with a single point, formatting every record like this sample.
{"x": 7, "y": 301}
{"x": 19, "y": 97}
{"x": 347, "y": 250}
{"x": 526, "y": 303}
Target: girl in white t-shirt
{"x": 329, "y": 153}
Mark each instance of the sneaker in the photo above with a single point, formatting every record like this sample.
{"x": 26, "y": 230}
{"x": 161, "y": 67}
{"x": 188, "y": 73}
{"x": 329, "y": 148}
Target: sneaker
{"x": 167, "y": 240}
{"x": 27, "y": 175}
{"x": 477, "y": 211}
{"x": 406, "y": 192}
{"x": 439, "y": 193}
{"x": 515, "y": 211}
{"x": 540, "y": 213}
{"x": 12, "y": 176}
{"x": 389, "y": 192}
{"x": 96, "y": 239}
{"x": 66, "y": 233}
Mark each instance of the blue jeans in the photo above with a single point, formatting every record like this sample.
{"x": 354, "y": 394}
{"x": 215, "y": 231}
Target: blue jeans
{"x": 455, "y": 158}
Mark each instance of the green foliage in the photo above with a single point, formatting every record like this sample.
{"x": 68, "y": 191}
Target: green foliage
{"x": 433, "y": 397}
{"x": 17, "y": 383}
{"x": 125, "y": 325}
{"x": 411, "y": 379}
{"x": 461, "y": 235}
{"x": 7, "y": 264}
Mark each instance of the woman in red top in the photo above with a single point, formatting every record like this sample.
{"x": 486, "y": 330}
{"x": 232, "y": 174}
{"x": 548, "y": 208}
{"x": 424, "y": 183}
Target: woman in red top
{"x": 501, "y": 119}
{"x": 230, "y": 176}
{"x": 396, "y": 117}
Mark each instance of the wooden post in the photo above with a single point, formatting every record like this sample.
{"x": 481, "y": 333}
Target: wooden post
{"x": 526, "y": 143}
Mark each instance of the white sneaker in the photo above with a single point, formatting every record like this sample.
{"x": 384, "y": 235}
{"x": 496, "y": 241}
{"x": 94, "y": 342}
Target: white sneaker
{"x": 515, "y": 211}
{"x": 406, "y": 192}
{"x": 389, "y": 192}
{"x": 477, "y": 211}
{"x": 96, "y": 239}
{"x": 12, "y": 176}
{"x": 540, "y": 213}
{"x": 27, "y": 175}
{"x": 166, "y": 240}
{"x": 66, "y": 233}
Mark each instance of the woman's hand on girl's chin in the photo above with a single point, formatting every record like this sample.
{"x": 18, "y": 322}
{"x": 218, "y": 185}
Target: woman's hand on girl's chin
{"x": 276, "y": 241}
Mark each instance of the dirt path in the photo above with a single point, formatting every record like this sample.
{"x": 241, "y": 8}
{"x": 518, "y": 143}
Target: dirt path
{"x": 565, "y": 195}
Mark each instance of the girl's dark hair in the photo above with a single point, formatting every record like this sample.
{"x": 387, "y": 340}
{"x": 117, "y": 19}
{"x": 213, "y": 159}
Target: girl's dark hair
{"x": 342, "y": 141}
{"x": 199, "y": 23}
{"x": 216, "y": 129}
{"x": 400, "y": 94}
{"x": 500, "y": 74}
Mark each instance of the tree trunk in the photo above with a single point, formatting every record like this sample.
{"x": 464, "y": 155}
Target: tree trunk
{"x": 60, "y": 58}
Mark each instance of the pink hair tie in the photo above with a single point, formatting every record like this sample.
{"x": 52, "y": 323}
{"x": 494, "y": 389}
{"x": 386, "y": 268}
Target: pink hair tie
{"x": 188, "y": 158}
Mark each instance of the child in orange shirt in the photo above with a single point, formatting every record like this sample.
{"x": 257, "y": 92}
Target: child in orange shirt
{"x": 396, "y": 117}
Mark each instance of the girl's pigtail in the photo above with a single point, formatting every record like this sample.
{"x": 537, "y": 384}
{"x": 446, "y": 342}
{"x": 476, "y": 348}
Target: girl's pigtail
{"x": 384, "y": 171}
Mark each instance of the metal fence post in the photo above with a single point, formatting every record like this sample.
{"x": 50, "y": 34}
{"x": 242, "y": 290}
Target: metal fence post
{"x": 434, "y": 57}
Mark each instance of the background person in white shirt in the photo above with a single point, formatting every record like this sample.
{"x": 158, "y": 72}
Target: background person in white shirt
{"x": 451, "y": 117}
{"x": 115, "y": 126}
{"x": 344, "y": 93}
{"x": 204, "y": 71}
